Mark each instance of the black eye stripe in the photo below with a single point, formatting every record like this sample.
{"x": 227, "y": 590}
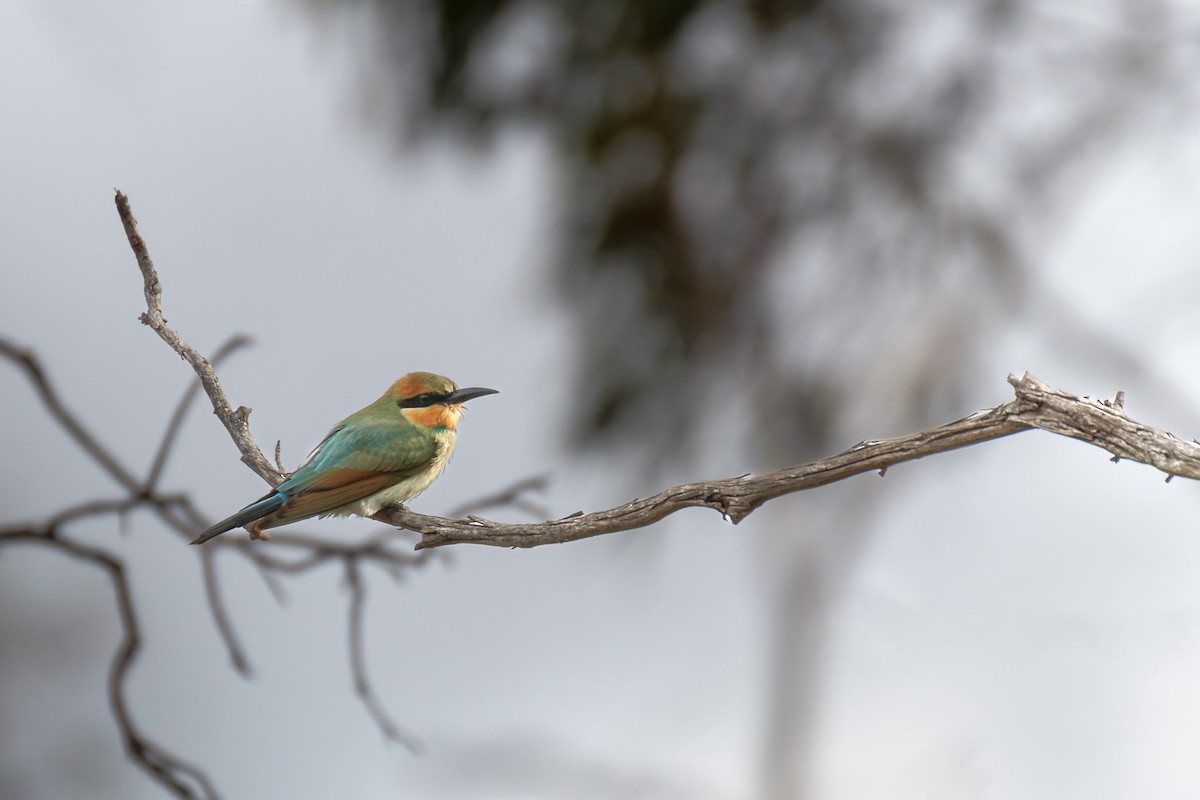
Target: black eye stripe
{"x": 423, "y": 400}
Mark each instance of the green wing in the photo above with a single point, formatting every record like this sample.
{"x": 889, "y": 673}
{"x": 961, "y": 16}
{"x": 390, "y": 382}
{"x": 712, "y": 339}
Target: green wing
{"x": 354, "y": 461}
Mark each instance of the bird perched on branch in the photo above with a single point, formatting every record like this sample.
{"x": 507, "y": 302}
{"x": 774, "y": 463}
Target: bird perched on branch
{"x": 384, "y": 454}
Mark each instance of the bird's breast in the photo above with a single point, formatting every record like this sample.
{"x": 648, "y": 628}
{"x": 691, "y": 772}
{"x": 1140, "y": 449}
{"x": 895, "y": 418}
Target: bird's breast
{"x": 407, "y": 488}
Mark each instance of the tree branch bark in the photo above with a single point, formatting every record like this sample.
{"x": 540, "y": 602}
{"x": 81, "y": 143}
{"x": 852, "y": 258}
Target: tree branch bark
{"x": 236, "y": 422}
{"x": 1101, "y": 423}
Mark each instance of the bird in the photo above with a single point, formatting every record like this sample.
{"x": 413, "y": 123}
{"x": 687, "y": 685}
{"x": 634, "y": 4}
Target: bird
{"x": 381, "y": 455}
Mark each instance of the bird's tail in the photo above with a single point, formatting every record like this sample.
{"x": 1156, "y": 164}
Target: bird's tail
{"x": 256, "y": 510}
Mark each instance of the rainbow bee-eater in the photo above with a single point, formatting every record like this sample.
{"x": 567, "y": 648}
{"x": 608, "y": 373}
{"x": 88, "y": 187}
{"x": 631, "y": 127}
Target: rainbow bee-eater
{"x": 383, "y": 455}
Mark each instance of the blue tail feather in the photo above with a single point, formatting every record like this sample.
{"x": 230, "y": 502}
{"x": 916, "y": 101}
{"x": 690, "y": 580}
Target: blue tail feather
{"x": 256, "y": 510}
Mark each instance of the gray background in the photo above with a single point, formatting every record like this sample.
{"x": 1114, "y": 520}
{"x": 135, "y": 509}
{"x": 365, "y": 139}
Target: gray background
{"x": 1025, "y": 622}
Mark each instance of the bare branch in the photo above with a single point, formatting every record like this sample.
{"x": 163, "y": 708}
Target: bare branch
{"x": 734, "y": 498}
{"x": 216, "y": 605}
{"x": 234, "y": 421}
{"x": 69, "y": 421}
{"x": 91, "y": 508}
{"x": 1101, "y": 423}
{"x": 168, "y": 507}
{"x": 358, "y": 664}
{"x": 185, "y": 402}
{"x": 512, "y": 496}
{"x": 318, "y": 552}
{"x": 266, "y": 570}
{"x": 176, "y": 775}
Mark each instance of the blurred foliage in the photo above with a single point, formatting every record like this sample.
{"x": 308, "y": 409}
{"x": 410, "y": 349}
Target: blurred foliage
{"x": 808, "y": 212}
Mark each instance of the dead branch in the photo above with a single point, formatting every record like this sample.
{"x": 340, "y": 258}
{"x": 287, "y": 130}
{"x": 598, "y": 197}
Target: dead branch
{"x": 220, "y": 615}
{"x": 511, "y": 497}
{"x": 185, "y": 404}
{"x": 236, "y": 422}
{"x": 1098, "y": 422}
{"x": 178, "y": 776}
{"x": 358, "y": 663}
{"x": 84, "y": 438}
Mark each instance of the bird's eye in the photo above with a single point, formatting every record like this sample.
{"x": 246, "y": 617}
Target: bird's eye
{"x": 420, "y": 401}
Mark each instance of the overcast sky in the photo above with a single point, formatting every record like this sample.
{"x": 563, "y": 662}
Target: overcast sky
{"x": 1025, "y": 623}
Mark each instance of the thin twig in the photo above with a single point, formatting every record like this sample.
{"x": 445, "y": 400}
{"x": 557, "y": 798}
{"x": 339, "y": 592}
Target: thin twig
{"x": 234, "y": 421}
{"x": 513, "y": 497}
{"x": 65, "y": 418}
{"x": 167, "y": 506}
{"x": 358, "y": 664}
{"x": 92, "y": 508}
{"x": 318, "y": 552}
{"x": 266, "y": 570}
{"x": 179, "y": 777}
{"x": 185, "y": 403}
{"x": 216, "y": 605}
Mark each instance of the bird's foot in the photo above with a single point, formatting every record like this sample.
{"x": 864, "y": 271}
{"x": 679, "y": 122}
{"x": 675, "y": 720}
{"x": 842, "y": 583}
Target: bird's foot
{"x": 257, "y": 533}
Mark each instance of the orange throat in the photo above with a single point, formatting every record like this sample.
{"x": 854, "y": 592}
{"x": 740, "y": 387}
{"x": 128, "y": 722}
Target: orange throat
{"x": 439, "y": 416}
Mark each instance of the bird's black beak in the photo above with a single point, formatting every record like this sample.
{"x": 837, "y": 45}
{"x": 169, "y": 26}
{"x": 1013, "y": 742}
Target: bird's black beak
{"x": 463, "y": 395}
